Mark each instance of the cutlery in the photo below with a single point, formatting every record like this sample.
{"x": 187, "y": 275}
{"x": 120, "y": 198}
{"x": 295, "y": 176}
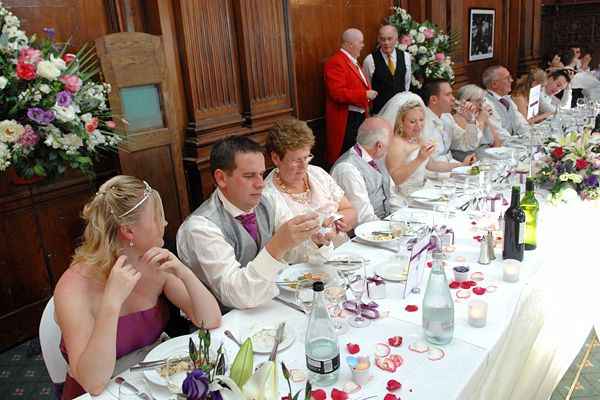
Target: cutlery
{"x": 277, "y": 341}
{"x": 358, "y": 240}
{"x": 230, "y": 336}
{"x": 343, "y": 262}
{"x": 156, "y": 363}
{"x": 142, "y": 395}
{"x": 289, "y": 304}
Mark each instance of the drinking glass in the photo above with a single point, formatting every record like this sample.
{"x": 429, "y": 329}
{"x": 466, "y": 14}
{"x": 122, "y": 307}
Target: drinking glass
{"x": 335, "y": 295}
{"x": 304, "y": 297}
{"x": 358, "y": 286}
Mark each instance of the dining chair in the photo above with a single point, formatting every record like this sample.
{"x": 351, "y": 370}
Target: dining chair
{"x": 50, "y": 336}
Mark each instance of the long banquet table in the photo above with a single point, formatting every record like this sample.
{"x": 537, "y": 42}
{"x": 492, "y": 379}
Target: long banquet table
{"x": 535, "y": 326}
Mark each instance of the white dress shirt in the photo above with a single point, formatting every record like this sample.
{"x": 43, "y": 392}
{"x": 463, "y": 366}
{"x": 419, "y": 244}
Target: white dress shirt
{"x": 369, "y": 66}
{"x": 446, "y": 134}
{"x": 353, "y": 184}
{"x": 521, "y": 126}
{"x": 362, "y": 76}
{"x": 201, "y": 245}
{"x": 552, "y": 103}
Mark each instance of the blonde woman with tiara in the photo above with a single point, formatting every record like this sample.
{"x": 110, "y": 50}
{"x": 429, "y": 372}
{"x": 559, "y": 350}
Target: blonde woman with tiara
{"x": 110, "y": 302}
{"x": 409, "y": 156}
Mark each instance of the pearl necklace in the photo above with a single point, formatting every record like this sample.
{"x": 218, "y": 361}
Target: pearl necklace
{"x": 302, "y": 197}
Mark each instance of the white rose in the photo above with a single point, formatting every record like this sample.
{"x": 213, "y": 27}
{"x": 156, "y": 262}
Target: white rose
{"x": 422, "y": 50}
{"x": 422, "y": 61}
{"x": 44, "y": 88}
{"x": 58, "y": 63}
{"x": 420, "y": 38}
{"x": 86, "y": 117}
{"x": 64, "y": 114}
{"x": 3, "y": 82}
{"x": 422, "y": 29}
{"x": 413, "y": 32}
{"x": 10, "y": 131}
{"x": 71, "y": 143}
{"x": 11, "y": 20}
{"x": 47, "y": 69}
{"x": 402, "y": 47}
{"x": 413, "y": 49}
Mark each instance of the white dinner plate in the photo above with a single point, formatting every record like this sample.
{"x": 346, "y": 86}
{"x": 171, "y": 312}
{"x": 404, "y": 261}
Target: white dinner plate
{"x": 498, "y": 152}
{"x": 427, "y": 194}
{"x": 263, "y": 338}
{"x": 296, "y": 272}
{"x": 365, "y": 231}
{"x": 178, "y": 347}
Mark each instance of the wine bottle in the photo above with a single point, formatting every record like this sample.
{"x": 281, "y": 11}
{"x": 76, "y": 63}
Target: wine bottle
{"x": 531, "y": 207}
{"x": 514, "y": 228}
{"x": 321, "y": 345}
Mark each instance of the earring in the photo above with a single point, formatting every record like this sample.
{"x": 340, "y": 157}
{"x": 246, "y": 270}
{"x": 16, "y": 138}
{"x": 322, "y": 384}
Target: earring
{"x": 131, "y": 243}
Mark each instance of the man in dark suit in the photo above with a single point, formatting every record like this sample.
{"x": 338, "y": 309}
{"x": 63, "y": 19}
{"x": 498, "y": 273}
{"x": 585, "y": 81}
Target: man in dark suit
{"x": 387, "y": 68}
{"x": 348, "y": 95}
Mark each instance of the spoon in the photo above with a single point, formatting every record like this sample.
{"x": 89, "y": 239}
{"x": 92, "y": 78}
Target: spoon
{"x": 230, "y": 336}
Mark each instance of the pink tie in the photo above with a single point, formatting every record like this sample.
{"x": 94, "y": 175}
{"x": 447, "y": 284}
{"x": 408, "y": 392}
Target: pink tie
{"x": 249, "y": 223}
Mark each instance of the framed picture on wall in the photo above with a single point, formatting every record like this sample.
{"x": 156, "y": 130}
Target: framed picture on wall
{"x": 481, "y": 33}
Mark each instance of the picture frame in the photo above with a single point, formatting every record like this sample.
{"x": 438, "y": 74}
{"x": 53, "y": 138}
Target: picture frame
{"x": 481, "y": 33}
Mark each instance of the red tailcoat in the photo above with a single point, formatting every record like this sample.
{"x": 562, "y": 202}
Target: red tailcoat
{"x": 343, "y": 86}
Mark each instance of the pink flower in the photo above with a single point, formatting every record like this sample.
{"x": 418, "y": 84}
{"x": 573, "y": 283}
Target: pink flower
{"x": 29, "y": 137}
{"x": 429, "y": 33}
{"x": 28, "y": 55}
{"x": 91, "y": 125}
{"x": 440, "y": 57}
{"x": 406, "y": 39}
{"x": 72, "y": 83}
{"x": 68, "y": 57}
{"x": 111, "y": 124}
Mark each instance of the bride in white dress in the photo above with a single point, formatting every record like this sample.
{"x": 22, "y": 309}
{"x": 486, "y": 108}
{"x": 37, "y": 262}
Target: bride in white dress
{"x": 409, "y": 156}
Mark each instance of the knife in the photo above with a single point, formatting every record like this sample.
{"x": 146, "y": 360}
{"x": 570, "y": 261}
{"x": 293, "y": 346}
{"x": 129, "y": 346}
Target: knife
{"x": 157, "y": 363}
{"x": 289, "y": 304}
{"x": 277, "y": 341}
{"x": 138, "y": 392}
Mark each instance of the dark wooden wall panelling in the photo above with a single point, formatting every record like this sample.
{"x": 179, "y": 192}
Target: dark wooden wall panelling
{"x": 571, "y": 25}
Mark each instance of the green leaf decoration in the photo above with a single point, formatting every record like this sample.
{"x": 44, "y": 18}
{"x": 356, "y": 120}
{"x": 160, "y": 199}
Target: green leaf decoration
{"x": 193, "y": 351}
{"x": 243, "y": 364}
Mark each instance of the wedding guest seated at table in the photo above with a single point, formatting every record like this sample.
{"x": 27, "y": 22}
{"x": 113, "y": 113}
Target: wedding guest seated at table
{"x": 552, "y": 60}
{"x": 235, "y": 242}
{"x": 505, "y": 115}
{"x": 410, "y": 155}
{"x": 361, "y": 172}
{"x": 476, "y": 96}
{"x": 442, "y": 130}
{"x": 298, "y": 187}
{"x": 557, "y": 81}
{"x": 520, "y": 93}
{"x": 112, "y": 300}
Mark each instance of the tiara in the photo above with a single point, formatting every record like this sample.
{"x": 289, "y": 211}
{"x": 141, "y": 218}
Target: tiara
{"x": 147, "y": 193}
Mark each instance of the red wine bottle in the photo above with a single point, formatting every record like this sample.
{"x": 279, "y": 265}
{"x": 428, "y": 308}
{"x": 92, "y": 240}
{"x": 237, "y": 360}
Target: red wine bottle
{"x": 514, "y": 228}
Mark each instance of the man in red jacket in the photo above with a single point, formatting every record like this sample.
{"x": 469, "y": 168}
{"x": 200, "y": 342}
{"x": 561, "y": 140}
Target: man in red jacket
{"x": 348, "y": 95}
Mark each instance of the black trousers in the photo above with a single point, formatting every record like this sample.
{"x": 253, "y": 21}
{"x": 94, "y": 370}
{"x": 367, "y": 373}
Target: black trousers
{"x": 352, "y": 124}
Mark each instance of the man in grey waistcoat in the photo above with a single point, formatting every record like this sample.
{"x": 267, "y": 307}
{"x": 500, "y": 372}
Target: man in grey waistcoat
{"x": 505, "y": 117}
{"x": 361, "y": 171}
{"x": 235, "y": 241}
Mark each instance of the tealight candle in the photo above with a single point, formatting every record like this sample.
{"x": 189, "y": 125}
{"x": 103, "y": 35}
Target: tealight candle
{"x": 360, "y": 367}
{"x": 511, "y": 270}
{"x": 477, "y": 313}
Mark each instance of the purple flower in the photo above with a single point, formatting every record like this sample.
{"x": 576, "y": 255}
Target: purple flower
{"x": 29, "y": 137}
{"x": 64, "y": 98}
{"x": 50, "y": 32}
{"x": 591, "y": 181}
{"x": 195, "y": 385}
{"x": 40, "y": 115}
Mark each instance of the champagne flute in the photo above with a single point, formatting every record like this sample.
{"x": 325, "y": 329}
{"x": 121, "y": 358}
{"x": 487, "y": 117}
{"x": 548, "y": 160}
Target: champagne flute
{"x": 335, "y": 295}
{"x": 358, "y": 286}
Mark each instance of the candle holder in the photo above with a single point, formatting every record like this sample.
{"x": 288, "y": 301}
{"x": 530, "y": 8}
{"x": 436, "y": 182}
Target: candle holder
{"x": 511, "y": 270}
{"x": 478, "y": 313}
{"x": 360, "y": 367}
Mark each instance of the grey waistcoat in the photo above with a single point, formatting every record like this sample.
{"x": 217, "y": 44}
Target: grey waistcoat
{"x": 235, "y": 234}
{"x": 378, "y": 183}
{"x": 506, "y": 116}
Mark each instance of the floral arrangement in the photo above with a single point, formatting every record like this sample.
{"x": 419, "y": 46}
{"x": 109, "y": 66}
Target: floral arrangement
{"x": 207, "y": 380}
{"x": 572, "y": 166}
{"x": 429, "y": 47}
{"x": 53, "y": 115}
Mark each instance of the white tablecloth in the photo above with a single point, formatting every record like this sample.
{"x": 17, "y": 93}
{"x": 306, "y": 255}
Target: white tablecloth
{"x": 535, "y": 326}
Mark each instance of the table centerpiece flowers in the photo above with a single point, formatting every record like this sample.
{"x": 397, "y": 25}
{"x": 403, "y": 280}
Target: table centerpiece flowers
{"x": 571, "y": 166}
{"x": 53, "y": 113}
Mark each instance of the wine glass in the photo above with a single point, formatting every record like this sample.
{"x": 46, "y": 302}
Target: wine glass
{"x": 335, "y": 295}
{"x": 358, "y": 286}
{"x": 304, "y": 297}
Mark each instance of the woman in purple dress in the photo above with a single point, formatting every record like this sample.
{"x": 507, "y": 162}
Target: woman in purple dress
{"x": 109, "y": 302}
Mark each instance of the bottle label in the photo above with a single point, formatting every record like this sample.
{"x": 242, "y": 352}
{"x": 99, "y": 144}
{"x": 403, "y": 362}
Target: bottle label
{"x": 521, "y": 232}
{"x": 323, "y": 367}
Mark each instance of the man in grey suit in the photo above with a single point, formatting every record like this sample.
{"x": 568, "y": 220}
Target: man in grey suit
{"x": 505, "y": 117}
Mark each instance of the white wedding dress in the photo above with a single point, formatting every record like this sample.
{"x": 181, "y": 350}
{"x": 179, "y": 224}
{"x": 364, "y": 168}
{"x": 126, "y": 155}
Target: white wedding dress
{"x": 416, "y": 181}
